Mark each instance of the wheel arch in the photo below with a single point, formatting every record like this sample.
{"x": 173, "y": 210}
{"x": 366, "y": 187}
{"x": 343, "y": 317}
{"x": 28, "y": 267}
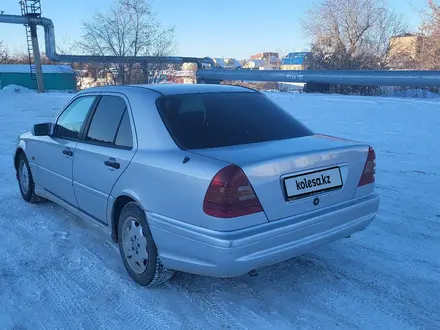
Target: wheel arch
{"x": 20, "y": 149}
{"x": 117, "y": 206}
{"x": 17, "y": 155}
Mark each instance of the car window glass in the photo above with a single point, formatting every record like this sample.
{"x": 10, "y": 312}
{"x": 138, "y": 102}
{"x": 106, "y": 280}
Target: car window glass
{"x": 124, "y": 138}
{"x": 70, "y": 122}
{"x": 106, "y": 120}
{"x": 211, "y": 120}
{"x": 192, "y": 103}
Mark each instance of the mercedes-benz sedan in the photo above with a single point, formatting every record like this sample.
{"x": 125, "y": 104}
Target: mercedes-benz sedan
{"x": 208, "y": 179}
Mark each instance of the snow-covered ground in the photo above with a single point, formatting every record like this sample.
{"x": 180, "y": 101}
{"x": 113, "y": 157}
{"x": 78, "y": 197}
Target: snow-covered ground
{"x": 56, "y": 272}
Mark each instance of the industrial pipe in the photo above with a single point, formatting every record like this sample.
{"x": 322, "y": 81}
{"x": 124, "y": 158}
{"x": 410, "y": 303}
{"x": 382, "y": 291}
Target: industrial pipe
{"x": 49, "y": 36}
{"x": 382, "y": 78}
{"x": 342, "y": 77}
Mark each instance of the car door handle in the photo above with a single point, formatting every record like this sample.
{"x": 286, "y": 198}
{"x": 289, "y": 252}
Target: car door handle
{"x": 112, "y": 163}
{"x": 68, "y": 152}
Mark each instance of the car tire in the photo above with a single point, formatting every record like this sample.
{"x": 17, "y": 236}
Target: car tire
{"x": 26, "y": 180}
{"x": 138, "y": 249}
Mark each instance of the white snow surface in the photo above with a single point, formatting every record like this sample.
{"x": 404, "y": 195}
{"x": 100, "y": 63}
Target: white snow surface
{"x": 57, "y": 272}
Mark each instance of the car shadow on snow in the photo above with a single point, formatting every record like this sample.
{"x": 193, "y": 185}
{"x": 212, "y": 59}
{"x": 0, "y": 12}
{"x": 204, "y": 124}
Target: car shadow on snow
{"x": 289, "y": 274}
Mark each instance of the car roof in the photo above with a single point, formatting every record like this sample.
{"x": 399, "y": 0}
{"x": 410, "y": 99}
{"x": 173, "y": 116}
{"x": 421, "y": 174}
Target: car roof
{"x": 173, "y": 89}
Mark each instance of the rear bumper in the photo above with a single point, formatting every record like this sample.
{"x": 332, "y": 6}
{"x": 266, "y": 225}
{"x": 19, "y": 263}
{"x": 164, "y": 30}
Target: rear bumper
{"x": 196, "y": 250}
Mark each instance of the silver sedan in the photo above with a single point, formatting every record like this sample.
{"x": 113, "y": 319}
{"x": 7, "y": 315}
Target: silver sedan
{"x": 208, "y": 179}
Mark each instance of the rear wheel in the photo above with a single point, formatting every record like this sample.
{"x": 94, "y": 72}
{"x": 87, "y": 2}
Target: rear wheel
{"x": 26, "y": 181}
{"x": 138, "y": 249}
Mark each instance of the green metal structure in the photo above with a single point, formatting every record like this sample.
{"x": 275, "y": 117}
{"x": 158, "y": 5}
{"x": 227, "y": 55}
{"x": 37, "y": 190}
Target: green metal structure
{"x": 56, "y": 77}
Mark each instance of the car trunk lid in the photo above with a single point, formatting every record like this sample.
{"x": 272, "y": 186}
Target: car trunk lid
{"x": 299, "y": 175}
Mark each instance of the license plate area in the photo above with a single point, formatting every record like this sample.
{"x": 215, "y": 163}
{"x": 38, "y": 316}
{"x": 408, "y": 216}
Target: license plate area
{"x": 312, "y": 183}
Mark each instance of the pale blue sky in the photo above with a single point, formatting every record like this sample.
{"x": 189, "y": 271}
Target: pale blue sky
{"x": 229, "y": 28}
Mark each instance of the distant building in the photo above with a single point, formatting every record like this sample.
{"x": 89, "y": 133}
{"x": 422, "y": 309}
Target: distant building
{"x": 189, "y": 66}
{"x": 258, "y": 65}
{"x": 294, "y": 61}
{"x": 56, "y": 77}
{"x": 227, "y": 63}
{"x": 271, "y": 58}
{"x": 406, "y": 45}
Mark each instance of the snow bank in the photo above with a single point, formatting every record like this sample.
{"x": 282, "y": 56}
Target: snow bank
{"x": 17, "y": 89}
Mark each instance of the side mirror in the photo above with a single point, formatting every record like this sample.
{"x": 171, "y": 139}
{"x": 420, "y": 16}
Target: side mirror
{"x": 42, "y": 129}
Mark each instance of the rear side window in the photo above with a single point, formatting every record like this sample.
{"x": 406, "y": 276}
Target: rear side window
{"x": 200, "y": 121}
{"x": 109, "y": 123}
{"x": 124, "y": 138}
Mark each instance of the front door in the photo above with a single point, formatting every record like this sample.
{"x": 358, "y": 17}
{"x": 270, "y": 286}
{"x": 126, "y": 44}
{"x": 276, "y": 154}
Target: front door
{"x": 102, "y": 155}
{"x": 54, "y": 154}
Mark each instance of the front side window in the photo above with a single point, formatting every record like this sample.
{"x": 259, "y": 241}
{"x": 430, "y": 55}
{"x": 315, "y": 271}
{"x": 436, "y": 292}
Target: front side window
{"x": 70, "y": 122}
{"x": 107, "y": 120}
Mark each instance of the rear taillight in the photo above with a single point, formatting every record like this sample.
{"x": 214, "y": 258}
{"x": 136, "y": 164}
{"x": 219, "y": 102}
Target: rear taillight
{"x": 230, "y": 195}
{"x": 368, "y": 176}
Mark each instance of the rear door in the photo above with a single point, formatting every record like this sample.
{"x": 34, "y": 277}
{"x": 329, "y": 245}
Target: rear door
{"x": 54, "y": 154}
{"x": 105, "y": 150}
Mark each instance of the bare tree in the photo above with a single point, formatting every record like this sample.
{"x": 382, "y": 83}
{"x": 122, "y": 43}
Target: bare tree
{"x": 430, "y": 45}
{"x": 4, "y": 56}
{"x": 128, "y": 28}
{"x": 351, "y": 34}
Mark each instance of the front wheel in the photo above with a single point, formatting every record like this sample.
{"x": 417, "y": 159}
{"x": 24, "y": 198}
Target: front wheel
{"x": 26, "y": 181}
{"x": 138, "y": 249}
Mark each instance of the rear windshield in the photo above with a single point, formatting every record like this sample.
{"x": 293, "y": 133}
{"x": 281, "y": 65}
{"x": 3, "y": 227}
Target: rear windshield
{"x": 201, "y": 121}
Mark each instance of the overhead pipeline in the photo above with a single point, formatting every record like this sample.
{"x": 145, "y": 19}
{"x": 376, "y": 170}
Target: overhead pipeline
{"x": 51, "y": 53}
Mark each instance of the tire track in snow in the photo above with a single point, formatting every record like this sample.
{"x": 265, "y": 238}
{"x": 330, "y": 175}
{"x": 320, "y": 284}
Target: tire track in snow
{"x": 85, "y": 266}
{"x": 190, "y": 287}
{"x": 83, "y": 262}
{"x": 126, "y": 303}
{"x": 298, "y": 279}
{"x": 139, "y": 312}
{"x": 129, "y": 304}
{"x": 83, "y": 290}
{"x": 392, "y": 288}
{"x": 372, "y": 290}
{"x": 57, "y": 296}
{"x": 213, "y": 296}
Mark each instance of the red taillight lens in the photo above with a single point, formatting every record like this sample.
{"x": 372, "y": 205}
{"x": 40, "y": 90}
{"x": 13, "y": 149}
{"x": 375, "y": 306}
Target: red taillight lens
{"x": 368, "y": 176}
{"x": 230, "y": 195}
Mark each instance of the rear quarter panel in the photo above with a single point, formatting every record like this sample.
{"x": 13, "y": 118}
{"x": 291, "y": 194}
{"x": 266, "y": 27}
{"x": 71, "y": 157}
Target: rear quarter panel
{"x": 164, "y": 185}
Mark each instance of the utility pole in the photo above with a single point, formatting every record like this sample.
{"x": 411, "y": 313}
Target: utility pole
{"x": 37, "y": 58}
